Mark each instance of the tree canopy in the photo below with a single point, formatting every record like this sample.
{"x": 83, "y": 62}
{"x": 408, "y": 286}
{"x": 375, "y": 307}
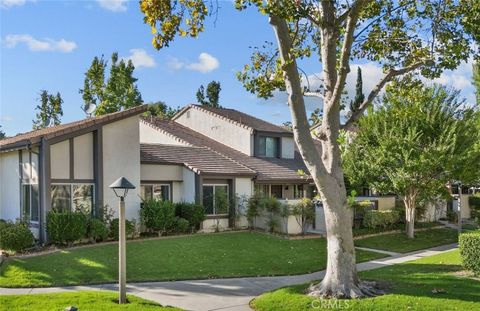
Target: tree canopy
{"x": 211, "y": 97}
{"x": 161, "y": 110}
{"x": 109, "y": 94}
{"x": 49, "y": 111}
{"x": 2, "y": 133}
{"x": 414, "y": 143}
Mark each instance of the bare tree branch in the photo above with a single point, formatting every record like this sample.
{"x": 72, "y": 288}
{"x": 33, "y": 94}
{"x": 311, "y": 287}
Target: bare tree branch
{"x": 313, "y": 94}
{"x": 371, "y": 96}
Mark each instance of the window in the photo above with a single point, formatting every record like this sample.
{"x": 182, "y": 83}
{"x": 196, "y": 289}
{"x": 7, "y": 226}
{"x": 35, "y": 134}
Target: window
{"x": 263, "y": 190}
{"x": 72, "y": 197}
{"x": 30, "y": 202}
{"x": 276, "y": 191}
{"x": 268, "y": 147}
{"x": 156, "y": 192}
{"x": 215, "y": 199}
{"x": 297, "y": 191}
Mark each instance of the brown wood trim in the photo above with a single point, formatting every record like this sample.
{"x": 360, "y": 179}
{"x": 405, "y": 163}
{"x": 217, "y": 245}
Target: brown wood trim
{"x": 98, "y": 170}
{"x": 72, "y": 181}
{"x": 157, "y": 181}
{"x": 71, "y": 151}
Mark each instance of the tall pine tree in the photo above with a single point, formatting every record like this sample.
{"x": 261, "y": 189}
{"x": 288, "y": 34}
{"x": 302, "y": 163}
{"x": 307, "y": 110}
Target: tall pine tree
{"x": 49, "y": 111}
{"x": 359, "y": 96}
{"x": 117, "y": 92}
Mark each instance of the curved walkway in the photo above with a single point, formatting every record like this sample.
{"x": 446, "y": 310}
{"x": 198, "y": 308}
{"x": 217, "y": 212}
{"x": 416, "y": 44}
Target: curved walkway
{"x": 224, "y": 294}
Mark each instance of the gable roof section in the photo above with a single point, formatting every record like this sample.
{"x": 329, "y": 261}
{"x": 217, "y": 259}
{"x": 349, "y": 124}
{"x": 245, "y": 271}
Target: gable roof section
{"x": 201, "y": 160}
{"x": 239, "y": 118}
{"x": 30, "y": 138}
{"x": 267, "y": 169}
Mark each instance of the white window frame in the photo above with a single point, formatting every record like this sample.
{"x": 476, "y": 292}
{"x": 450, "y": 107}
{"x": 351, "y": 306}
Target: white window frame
{"x": 214, "y": 208}
{"x": 71, "y": 192}
{"x": 170, "y": 193}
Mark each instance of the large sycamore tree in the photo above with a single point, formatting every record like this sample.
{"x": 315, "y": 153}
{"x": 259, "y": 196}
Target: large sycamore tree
{"x": 401, "y": 36}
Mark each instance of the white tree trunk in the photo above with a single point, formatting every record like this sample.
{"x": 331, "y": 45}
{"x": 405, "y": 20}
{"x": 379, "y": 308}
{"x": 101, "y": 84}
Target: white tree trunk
{"x": 410, "y": 216}
{"x": 341, "y": 280}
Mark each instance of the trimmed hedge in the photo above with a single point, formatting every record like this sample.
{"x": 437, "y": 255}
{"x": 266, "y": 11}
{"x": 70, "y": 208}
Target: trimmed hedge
{"x": 193, "y": 213}
{"x": 383, "y": 219}
{"x": 129, "y": 229}
{"x": 182, "y": 225}
{"x": 66, "y": 227}
{"x": 97, "y": 231}
{"x": 469, "y": 244}
{"x": 15, "y": 236}
{"x": 157, "y": 215}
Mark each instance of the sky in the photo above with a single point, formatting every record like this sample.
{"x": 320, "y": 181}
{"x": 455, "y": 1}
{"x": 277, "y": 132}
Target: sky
{"x": 50, "y": 44}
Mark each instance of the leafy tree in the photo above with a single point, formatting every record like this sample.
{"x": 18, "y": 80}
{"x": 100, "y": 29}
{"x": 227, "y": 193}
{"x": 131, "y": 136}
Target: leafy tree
{"x": 117, "y": 92}
{"x": 476, "y": 80}
{"x": 359, "y": 96}
{"x": 213, "y": 94}
{"x": 161, "y": 110}
{"x": 418, "y": 140}
{"x": 399, "y": 36}
{"x": 287, "y": 125}
{"x": 2, "y": 133}
{"x": 49, "y": 111}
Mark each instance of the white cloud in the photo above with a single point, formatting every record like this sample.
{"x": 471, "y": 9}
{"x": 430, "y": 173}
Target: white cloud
{"x": 6, "y": 118}
{"x": 113, "y": 5}
{"x": 36, "y": 45}
{"x": 6, "y": 4}
{"x": 140, "y": 58}
{"x": 206, "y": 63}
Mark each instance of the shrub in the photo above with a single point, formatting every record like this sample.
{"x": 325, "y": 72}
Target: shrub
{"x": 66, "y": 227}
{"x": 158, "y": 215}
{"x": 193, "y": 213}
{"x": 15, "y": 236}
{"x": 469, "y": 244}
{"x": 254, "y": 208}
{"x": 272, "y": 206}
{"x": 129, "y": 229}
{"x": 474, "y": 203}
{"x": 182, "y": 225}
{"x": 383, "y": 219}
{"x": 304, "y": 213}
{"x": 96, "y": 230}
{"x": 452, "y": 216}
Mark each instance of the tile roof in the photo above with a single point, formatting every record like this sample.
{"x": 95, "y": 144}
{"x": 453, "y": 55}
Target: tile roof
{"x": 199, "y": 159}
{"x": 267, "y": 169}
{"x": 32, "y": 137}
{"x": 238, "y": 117}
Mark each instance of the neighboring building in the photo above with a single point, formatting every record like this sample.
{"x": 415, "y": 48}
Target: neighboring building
{"x": 69, "y": 166}
{"x": 204, "y": 150}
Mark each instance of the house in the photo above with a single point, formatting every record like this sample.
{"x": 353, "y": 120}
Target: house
{"x": 206, "y": 150}
{"x": 69, "y": 166}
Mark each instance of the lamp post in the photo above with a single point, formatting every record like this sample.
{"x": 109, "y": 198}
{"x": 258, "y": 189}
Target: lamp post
{"x": 121, "y": 187}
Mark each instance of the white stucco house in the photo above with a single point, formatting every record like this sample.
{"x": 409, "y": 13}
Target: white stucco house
{"x": 69, "y": 166}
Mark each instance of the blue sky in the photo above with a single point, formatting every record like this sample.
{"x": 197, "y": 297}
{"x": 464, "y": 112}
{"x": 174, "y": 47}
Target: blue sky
{"x": 50, "y": 44}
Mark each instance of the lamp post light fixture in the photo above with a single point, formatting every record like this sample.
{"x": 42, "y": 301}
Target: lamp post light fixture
{"x": 121, "y": 187}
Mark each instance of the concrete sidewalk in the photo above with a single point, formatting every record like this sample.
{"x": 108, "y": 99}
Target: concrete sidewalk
{"x": 223, "y": 294}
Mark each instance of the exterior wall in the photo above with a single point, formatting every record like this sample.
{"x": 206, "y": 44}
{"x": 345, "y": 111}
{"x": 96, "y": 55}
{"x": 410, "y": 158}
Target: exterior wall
{"x": 83, "y": 157}
{"x": 219, "y": 129}
{"x": 60, "y": 160}
{"x": 188, "y": 192}
{"x": 150, "y": 135}
{"x": 177, "y": 191}
{"x": 465, "y": 207}
{"x": 9, "y": 186}
{"x": 288, "y": 148}
{"x": 243, "y": 188}
{"x": 435, "y": 211}
{"x": 384, "y": 202}
{"x": 121, "y": 157}
{"x": 209, "y": 225}
{"x": 160, "y": 172}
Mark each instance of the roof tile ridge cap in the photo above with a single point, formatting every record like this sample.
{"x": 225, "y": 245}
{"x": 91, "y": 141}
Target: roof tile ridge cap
{"x": 152, "y": 125}
{"x": 231, "y": 159}
{"x": 225, "y": 118}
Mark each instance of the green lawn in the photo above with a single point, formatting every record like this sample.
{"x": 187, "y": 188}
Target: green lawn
{"x": 87, "y": 300}
{"x": 192, "y": 257}
{"x": 398, "y": 242}
{"x": 411, "y": 287}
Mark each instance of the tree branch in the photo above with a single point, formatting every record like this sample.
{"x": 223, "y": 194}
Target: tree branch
{"x": 314, "y": 94}
{"x": 371, "y": 96}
